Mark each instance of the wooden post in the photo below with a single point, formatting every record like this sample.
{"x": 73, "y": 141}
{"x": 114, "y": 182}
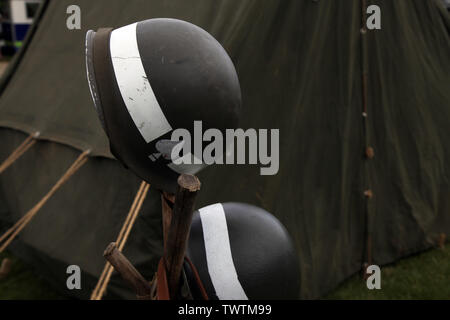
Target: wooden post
{"x": 174, "y": 250}
{"x": 121, "y": 264}
{"x": 167, "y": 201}
{"x": 5, "y": 268}
{"x": 176, "y": 226}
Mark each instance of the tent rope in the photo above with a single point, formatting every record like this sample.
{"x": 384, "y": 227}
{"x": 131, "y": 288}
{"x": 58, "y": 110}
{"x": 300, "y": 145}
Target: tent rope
{"x": 12, "y": 232}
{"x": 19, "y": 151}
{"x": 100, "y": 288}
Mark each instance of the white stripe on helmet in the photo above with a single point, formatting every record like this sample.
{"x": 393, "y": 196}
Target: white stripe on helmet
{"x": 135, "y": 88}
{"x": 218, "y": 254}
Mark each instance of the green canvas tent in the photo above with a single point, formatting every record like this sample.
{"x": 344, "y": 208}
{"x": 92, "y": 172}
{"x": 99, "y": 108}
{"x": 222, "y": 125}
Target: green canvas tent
{"x": 303, "y": 67}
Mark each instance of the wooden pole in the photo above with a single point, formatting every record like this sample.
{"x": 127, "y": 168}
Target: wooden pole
{"x": 176, "y": 226}
{"x": 167, "y": 202}
{"x": 174, "y": 250}
{"x": 5, "y": 268}
{"x": 121, "y": 264}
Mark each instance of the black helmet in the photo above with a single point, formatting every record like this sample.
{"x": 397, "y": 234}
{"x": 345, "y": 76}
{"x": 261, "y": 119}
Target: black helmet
{"x": 154, "y": 76}
{"x": 241, "y": 252}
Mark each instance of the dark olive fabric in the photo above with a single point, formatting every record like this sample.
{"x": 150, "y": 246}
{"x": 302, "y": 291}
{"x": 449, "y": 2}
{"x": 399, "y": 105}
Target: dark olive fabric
{"x": 81, "y": 219}
{"x": 300, "y": 68}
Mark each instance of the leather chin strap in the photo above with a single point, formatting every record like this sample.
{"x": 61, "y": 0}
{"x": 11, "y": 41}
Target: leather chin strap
{"x": 162, "y": 287}
{"x": 198, "y": 281}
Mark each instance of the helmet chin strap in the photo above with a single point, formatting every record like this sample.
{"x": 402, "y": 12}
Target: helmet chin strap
{"x": 162, "y": 287}
{"x": 97, "y": 55}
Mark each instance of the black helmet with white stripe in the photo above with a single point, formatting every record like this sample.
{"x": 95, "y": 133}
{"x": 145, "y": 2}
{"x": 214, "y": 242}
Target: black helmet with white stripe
{"x": 241, "y": 252}
{"x": 154, "y": 76}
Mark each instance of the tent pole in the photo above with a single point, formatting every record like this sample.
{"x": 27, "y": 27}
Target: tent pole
{"x": 368, "y": 193}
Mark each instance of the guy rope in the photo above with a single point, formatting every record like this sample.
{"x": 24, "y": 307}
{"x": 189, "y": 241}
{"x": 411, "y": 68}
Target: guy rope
{"x": 122, "y": 238}
{"x": 20, "y": 150}
{"x": 12, "y": 232}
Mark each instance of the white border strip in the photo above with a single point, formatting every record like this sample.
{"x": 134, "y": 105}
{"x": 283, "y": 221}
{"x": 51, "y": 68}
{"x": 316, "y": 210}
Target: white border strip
{"x": 135, "y": 88}
{"x": 218, "y": 254}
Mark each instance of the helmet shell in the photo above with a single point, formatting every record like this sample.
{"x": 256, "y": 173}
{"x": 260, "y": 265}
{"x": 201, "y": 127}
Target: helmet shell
{"x": 152, "y": 77}
{"x": 242, "y": 252}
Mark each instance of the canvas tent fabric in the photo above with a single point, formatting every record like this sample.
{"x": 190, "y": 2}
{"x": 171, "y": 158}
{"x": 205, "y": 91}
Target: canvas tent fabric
{"x": 300, "y": 68}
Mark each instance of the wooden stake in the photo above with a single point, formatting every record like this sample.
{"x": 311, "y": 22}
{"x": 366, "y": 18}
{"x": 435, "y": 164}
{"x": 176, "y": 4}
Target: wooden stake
{"x": 442, "y": 240}
{"x": 174, "y": 250}
{"x": 5, "y": 268}
{"x": 167, "y": 201}
{"x": 121, "y": 264}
